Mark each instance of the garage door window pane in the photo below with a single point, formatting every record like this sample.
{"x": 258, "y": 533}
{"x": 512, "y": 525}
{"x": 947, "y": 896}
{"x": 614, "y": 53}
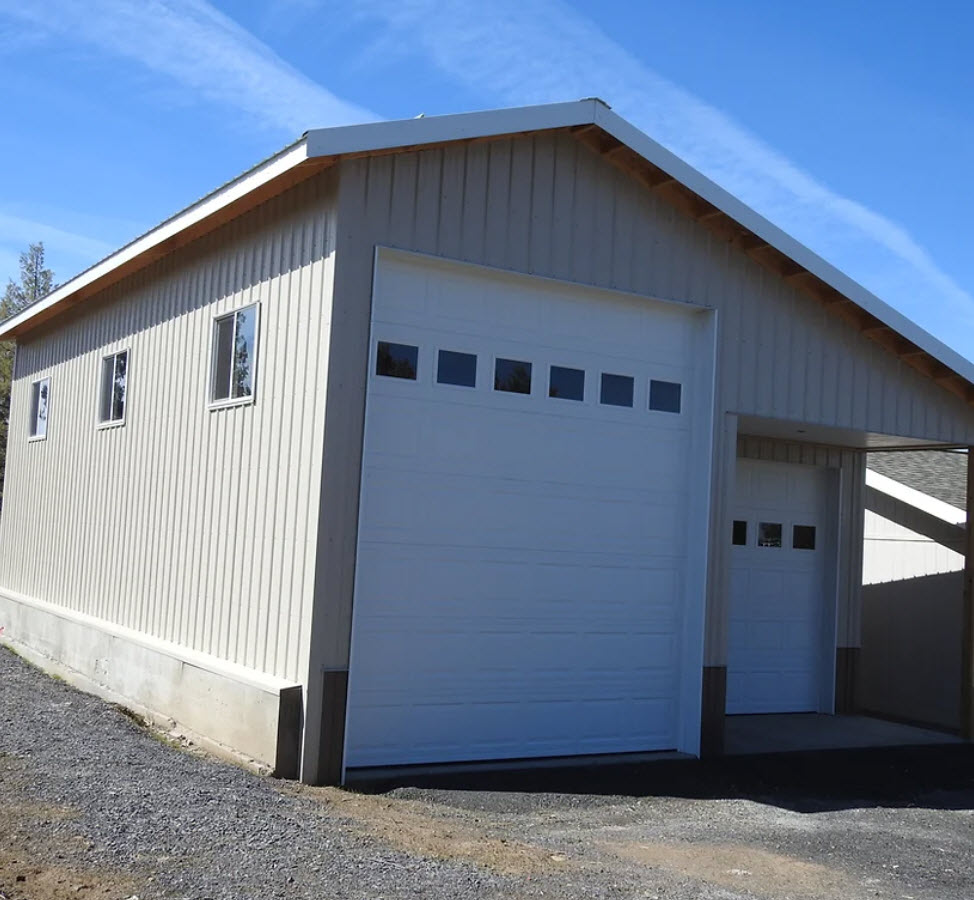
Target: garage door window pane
{"x": 739, "y": 537}
{"x": 396, "y": 360}
{"x": 566, "y": 384}
{"x": 616, "y": 390}
{"x": 456, "y": 368}
{"x": 664, "y": 396}
{"x": 513, "y": 376}
{"x": 769, "y": 534}
{"x": 803, "y": 537}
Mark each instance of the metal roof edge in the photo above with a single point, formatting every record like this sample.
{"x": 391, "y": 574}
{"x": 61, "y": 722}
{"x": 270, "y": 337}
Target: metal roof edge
{"x": 673, "y": 165}
{"x": 378, "y": 136}
{"x": 375, "y": 136}
{"x": 264, "y": 172}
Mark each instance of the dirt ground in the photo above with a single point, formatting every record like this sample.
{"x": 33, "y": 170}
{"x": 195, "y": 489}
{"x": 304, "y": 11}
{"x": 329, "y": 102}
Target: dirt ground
{"x": 35, "y": 865}
{"x": 95, "y": 806}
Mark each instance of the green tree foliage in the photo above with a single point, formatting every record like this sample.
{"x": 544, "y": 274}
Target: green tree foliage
{"x": 36, "y": 281}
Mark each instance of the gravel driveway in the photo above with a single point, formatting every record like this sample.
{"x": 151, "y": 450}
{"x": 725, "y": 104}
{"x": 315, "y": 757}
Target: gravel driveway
{"x": 95, "y": 806}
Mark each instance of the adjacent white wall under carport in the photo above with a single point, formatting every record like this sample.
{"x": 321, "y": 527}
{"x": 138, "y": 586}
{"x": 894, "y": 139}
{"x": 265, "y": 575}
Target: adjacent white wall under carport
{"x": 894, "y": 552}
{"x": 912, "y": 607}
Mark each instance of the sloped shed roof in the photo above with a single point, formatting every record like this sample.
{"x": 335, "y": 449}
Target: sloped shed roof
{"x": 938, "y": 473}
{"x": 591, "y": 122}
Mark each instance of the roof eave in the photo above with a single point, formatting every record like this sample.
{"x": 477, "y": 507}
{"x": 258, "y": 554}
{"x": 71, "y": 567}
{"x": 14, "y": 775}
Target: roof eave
{"x": 203, "y": 216}
{"x": 321, "y": 147}
{"x": 735, "y": 209}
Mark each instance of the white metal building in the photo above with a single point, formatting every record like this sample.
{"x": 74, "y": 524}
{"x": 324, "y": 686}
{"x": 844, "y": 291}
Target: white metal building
{"x": 488, "y": 436}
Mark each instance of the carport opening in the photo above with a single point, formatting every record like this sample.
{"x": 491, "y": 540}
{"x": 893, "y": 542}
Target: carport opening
{"x": 901, "y": 686}
{"x": 909, "y": 664}
{"x": 892, "y": 520}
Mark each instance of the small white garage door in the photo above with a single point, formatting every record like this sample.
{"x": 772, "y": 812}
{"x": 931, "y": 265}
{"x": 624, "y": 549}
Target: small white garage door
{"x": 523, "y": 525}
{"x": 780, "y": 589}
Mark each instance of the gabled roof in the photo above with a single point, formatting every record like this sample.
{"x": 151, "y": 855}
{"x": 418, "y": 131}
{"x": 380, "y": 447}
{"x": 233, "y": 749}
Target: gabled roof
{"x": 593, "y": 123}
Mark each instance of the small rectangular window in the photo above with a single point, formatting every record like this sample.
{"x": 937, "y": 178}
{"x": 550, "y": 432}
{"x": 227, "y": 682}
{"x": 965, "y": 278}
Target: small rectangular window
{"x": 616, "y": 390}
{"x": 234, "y": 355}
{"x": 456, "y": 368}
{"x": 40, "y": 407}
{"x": 664, "y": 396}
{"x": 739, "y": 536}
{"x": 803, "y": 537}
{"x": 513, "y": 376}
{"x": 396, "y": 360}
{"x": 114, "y": 378}
{"x": 566, "y": 384}
{"x": 769, "y": 534}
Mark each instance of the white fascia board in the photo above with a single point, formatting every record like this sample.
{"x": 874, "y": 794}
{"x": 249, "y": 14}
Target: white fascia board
{"x": 659, "y": 156}
{"x": 376, "y": 136}
{"x": 917, "y": 499}
{"x": 212, "y": 203}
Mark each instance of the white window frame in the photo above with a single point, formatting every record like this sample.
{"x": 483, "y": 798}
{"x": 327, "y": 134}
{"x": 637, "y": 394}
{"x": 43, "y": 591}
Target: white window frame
{"x": 113, "y": 423}
{"x": 32, "y": 419}
{"x": 211, "y": 375}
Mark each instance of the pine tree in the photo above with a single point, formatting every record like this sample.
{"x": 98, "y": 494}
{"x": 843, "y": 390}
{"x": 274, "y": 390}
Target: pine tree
{"x": 36, "y": 282}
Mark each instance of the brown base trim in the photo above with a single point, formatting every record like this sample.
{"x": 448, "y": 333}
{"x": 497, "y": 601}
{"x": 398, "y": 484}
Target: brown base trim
{"x": 334, "y": 698}
{"x": 846, "y": 667}
{"x": 290, "y": 718}
{"x": 712, "y": 711}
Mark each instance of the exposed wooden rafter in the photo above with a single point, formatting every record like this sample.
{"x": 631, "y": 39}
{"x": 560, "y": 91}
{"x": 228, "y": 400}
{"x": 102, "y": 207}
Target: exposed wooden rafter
{"x": 762, "y": 252}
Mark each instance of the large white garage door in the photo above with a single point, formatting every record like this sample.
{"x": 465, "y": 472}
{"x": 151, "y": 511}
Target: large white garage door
{"x": 523, "y": 526}
{"x": 780, "y": 586}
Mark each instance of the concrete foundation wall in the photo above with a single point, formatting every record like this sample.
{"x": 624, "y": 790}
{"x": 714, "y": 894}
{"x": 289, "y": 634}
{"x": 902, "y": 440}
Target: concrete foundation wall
{"x": 910, "y": 662}
{"x": 237, "y": 712}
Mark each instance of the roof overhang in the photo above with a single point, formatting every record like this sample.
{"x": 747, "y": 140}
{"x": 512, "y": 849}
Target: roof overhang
{"x": 831, "y": 435}
{"x": 593, "y": 123}
{"x": 261, "y": 183}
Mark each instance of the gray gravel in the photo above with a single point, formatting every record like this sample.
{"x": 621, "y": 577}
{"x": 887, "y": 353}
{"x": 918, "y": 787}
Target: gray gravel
{"x": 896, "y": 825}
{"x": 199, "y": 827}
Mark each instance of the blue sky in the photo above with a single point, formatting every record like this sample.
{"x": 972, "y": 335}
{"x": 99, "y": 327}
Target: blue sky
{"x": 849, "y": 124}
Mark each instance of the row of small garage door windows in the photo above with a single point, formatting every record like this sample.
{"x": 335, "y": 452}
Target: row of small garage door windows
{"x": 769, "y": 534}
{"x": 514, "y": 376}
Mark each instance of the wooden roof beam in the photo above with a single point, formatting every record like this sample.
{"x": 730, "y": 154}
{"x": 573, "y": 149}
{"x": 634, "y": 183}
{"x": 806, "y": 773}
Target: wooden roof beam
{"x": 773, "y": 259}
{"x": 764, "y": 254}
{"x": 682, "y": 198}
{"x": 877, "y": 327}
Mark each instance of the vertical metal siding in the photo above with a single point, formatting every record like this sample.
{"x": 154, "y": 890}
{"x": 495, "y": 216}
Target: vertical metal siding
{"x": 193, "y": 525}
{"x": 137, "y": 525}
{"x": 547, "y": 205}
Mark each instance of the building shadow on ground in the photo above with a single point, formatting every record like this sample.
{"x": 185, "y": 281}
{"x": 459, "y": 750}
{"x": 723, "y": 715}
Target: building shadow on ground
{"x": 933, "y": 777}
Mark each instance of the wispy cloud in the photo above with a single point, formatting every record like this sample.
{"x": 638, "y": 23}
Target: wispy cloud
{"x": 201, "y": 49}
{"x": 21, "y": 231}
{"x": 67, "y": 251}
{"x": 536, "y": 51}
